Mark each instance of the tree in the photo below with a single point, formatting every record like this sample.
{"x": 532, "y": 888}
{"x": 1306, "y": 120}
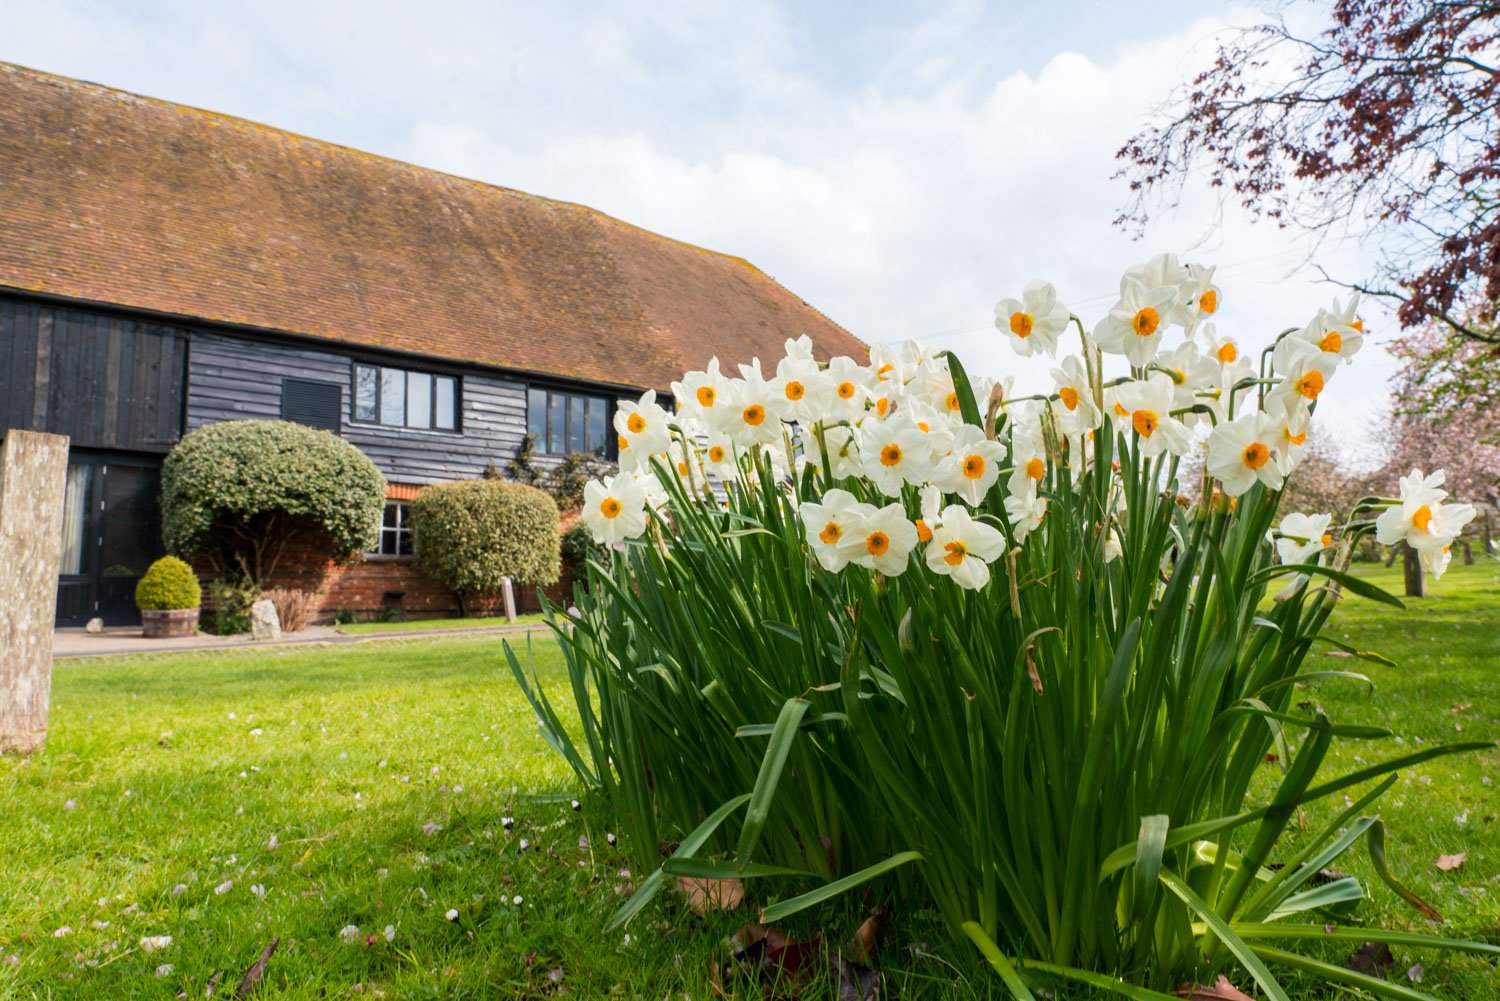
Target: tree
{"x": 240, "y": 493}
{"x": 1390, "y": 116}
{"x": 1449, "y": 380}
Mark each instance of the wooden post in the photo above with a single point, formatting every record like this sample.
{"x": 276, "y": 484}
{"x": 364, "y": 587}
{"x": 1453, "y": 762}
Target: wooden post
{"x": 33, "y": 477}
{"x": 1416, "y": 581}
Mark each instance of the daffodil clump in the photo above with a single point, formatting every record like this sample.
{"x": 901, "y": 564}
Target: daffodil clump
{"x": 879, "y": 618}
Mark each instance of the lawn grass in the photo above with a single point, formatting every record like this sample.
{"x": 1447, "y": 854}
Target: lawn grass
{"x": 419, "y": 625}
{"x": 179, "y": 769}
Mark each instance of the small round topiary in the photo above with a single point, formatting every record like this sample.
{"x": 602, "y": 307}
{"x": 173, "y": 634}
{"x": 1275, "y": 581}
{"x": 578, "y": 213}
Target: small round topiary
{"x": 471, "y": 534}
{"x": 169, "y": 584}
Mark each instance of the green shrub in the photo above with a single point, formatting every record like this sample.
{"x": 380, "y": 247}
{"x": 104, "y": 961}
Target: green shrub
{"x": 240, "y": 491}
{"x": 471, "y": 534}
{"x": 168, "y": 584}
{"x": 231, "y": 603}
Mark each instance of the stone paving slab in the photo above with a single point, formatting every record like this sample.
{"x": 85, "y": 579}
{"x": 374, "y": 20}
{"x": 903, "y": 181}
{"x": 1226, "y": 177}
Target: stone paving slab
{"x": 127, "y": 641}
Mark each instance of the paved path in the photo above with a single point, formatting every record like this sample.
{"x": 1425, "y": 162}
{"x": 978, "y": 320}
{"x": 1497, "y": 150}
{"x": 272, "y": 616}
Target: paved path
{"x": 72, "y": 643}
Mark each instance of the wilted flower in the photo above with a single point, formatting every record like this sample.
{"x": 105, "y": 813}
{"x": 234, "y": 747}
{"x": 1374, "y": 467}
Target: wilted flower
{"x": 155, "y": 943}
{"x": 350, "y": 934}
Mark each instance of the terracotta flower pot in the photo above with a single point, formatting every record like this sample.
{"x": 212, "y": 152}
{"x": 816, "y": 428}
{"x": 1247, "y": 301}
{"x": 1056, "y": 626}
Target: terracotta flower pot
{"x": 163, "y": 624}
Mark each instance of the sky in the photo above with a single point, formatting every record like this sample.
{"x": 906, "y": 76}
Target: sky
{"x": 900, "y": 166}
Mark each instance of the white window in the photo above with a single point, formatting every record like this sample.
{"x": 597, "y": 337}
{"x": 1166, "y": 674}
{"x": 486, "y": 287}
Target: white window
{"x": 395, "y": 532}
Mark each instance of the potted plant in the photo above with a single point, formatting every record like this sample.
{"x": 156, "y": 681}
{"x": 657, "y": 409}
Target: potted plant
{"x": 168, "y": 597}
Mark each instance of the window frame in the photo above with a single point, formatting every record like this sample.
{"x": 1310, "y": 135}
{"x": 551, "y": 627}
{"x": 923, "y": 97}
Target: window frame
{"x": 434, "y": 378}
{"x": 396, "y": 532}
{"x": 551, "y": 397}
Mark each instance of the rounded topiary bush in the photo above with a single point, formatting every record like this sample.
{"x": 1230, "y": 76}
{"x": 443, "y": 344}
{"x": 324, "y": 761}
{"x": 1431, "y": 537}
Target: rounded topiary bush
{"x": 239, "y": 492}
{"x": 472, "y": 533}
{"x": 168, "y": 584}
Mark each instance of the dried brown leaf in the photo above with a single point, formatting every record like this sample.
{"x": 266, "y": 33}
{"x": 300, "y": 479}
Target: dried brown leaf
{"x": 705, "y": 895}
{"x": 1222, "y": 990}
{"x": 866, "y": 941}
{"x": 257, "y": 971}
{"x": 1447, "y": 863}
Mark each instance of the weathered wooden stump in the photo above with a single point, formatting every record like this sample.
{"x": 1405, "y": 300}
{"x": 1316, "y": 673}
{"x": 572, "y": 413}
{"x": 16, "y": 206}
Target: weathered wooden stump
{"x": 33, "y": 476}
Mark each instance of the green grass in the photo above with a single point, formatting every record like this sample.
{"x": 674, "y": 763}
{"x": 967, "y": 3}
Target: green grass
{"x": 358, "y": 748}
{"x": 417, "y": 625}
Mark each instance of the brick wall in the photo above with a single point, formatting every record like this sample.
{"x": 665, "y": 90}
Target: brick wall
{"x": 370, "y": 586}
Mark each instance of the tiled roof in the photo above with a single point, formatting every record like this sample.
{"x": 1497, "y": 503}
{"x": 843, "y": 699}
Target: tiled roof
{"x": 114, "y": 198}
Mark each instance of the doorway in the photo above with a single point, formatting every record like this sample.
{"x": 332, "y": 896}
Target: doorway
{"x": 111, "y": 534}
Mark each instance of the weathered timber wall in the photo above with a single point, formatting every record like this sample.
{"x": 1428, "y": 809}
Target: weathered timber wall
{"x": 33, "y": 473}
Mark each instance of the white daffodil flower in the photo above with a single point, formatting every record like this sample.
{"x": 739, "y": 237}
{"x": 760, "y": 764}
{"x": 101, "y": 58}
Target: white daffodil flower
{"x": 828, "y": 522}
{"x": 698, "y": 392}
{"x": 1422, "y": 520}
{"x": 934, "y": 423}
{"x": 800, "y": 348}
{"x": 1291, "y": 439}
{"x": 1192, "y": 372}
{"x": 843, "y": 394}
{"x": 1149, "y": 404}
{"x": 963, "y": 548}
{"x": 1305, "y": 371}
{"x": 971, "y": 466}
{"x": 799, "y": 383}
{"x": 1200, "y": 297}
{"x": 881, "y": 540}
{"x": 719, "y": 456}
{"x": 1034, "y": 322}
{"x": 1075, "y": 395}
{"x": 1301, "y": 537}
{"x": 1028, "y": 456}
{"x": 1343, "y": 330}
{"x": 750, "y": 413}
{"x": 642, "y": 427}
{"x": 1026, "y": 511}
{"x": 1241, "y": 451}
{"x": 1134, "y": 325}
{"x": 894, "y": 452}
{"x": 614, "y": 509}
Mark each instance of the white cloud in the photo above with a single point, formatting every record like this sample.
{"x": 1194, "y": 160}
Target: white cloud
{"x": 901, "y": 180}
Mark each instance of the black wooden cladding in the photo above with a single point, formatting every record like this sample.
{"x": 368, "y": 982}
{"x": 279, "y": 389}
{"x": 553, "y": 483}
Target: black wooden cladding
{"x": 106, "y": 382}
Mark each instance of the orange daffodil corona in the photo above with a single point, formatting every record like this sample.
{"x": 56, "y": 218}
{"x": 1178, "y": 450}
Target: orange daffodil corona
{"x": 901, "y": 474}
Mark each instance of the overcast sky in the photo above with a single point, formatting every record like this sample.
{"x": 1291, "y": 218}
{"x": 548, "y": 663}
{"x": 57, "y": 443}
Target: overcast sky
{"x": 900, "y": 166}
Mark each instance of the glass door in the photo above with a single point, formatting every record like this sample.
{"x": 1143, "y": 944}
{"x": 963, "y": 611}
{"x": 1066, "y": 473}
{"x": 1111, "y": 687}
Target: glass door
{"x": 111, "y": 534}
{"x": 75, "y": 585}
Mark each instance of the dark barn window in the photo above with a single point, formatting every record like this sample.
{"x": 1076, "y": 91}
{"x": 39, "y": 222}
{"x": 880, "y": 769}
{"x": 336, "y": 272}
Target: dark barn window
{"x": 397, "y": 397}
{"x": 567, "y": 422}
{"x": 316, "y": 404}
